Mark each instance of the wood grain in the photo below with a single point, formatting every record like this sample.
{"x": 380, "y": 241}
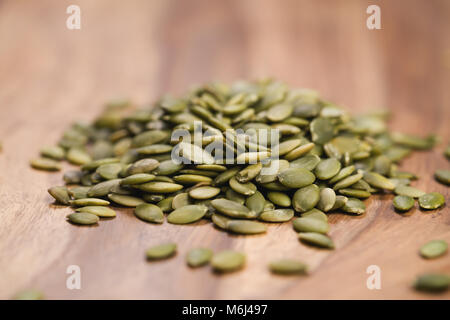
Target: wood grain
{"x": 51, "y": 76}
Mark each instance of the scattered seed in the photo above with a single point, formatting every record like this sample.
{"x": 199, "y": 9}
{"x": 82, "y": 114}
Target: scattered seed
{"x": 431, "y": 201}
{"x": 433, "y": 249}
{"x": 198, "y": 257}
{"x": 403, "y": 203}
{"x": 443, "y": 176}
{"x": 287, "y": 267}
{"x": 432, "y": 282}
{"x": 60, "y": 194}
{"x": 162, "y": 251}
{"x": 149, "y": 212}
{"x": 227, "y": 261}
{"x": 100, "y": 211}
{"x": 83, "y": 218}
{"x": 316, "y": 239}
{"x": 187, "y": 214}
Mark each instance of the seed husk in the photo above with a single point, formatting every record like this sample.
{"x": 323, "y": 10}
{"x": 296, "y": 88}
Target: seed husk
{"x": 327, "y": 169}
{"x": 354, "y": 206}
{"x": 125, "y": 200}
{"x": 83, "y": 218}
{"x": 83, "y": 202}
{"x": 100, "y": 211}
{"x": 306, "y": 198}
{"x": 278, "y": 215}
{"x": 376, "y": 180}
{"x": 187, "y": 214}
{"x": 246, "y": 189}
{"x": 60, "y": 194}
{"x": 443, "y": 176}
{"x": 161, "y": 251}
{"x": 431, "y": 201}
{"x": 288, "y": 267}
{"x": 409, "y": 191}
{"x": 205, "y": 192}
{"x": 316, "y": 239}
{"x": 246, "y": 227}
{"x": 198, "y": 257}
{"x": 149, "y": 212}
{"x": 432, "y": 282}
{"x": 315, "y": 214}
{"x": 45, "y": 164}
{"x": 53, "y": 152}
{"x": 232, "y": 209}
{"x": 279, "y": 198}
{"x": 403, "y": 203}
{"x": 296, "y": 177}
{"x": 308, "y": 224}
{"x": 227, "y": 261}
{"x": 434, "y": 249}
{"x": 327, "y": 199}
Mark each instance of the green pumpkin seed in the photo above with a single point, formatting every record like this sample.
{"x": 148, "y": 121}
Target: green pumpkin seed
{"x": 60, "y": 194}
{"x": 159, "y": 187}
{"x": 287, "y": 267}
{"x": 246, "y": 227}
{"x": 412, "y": 192}
{"x": 343, "y": 173}
{"x": 248, "y": 173}
{"x": 355, "y": 193}
{"x": 315, "y": 214}
{"x": 308, "y": 162}
{"x": 220, "y": 221}
{"x": 79, "y": 192}
{"x": 255, "y": 202}
{"x": 433, "y": 249}
{"x": 443, "y": 176}
{"x": 189, "y": 179}
{"x": 93, "y": 165}
{"x": 109, "y": 171}
{"x": 340, "y": 202}
{"x": 161, "y": 251}
{"x": 72, "y": 177}
{"x": 89, "y": 202}
{"x": 232, "y": 195}
{"x": 205, "y": 192}
{"x": 83, "y": 218}
{"x": 53, "y": 152}
{"x": 431, "y": 201}
{"x": 252, "y": 157}
{"x": 432, "y": 282}
{"x": 225, "y": 176}
{"x": 316, "y": 239}
{"x": 296, "y": 178}
{"x": 376, "y": 180}
{"x": 125, "y": 200}
{"x": 327, "y": 169}
{"x": 279, "y": 112}
{"x": 279, "y": 198}
{"x": 322, "y": 130}
{"x": 306, "y": 198}
{"x": 246, "y": 189}
{"x": 270, "y": 171}
{"x": 198, "y": 257}
{"x": 187, "y": 214}
{"x": 403, "y": 203}
{"x": 167, "y": 168}
{"x": 308, "y": 224}
{"x": 45, "y": 164}
{"x": 138, "y": 178}
{"x": 149, "y": 212}
{"x": 288, "y": 145}
{"x": 152, "y": 198}
{"x": 154, "y": 149}
{"x": 181, "y": 200}
{"x": 195, "y": 154}
{"x": 100, "y": 211}
{"x": 354, "y": 206}
{"x": 299, "y": 151}
{"x": 78, "y": 156}
{"x": 327, "y": 199}
{"x": 227, "y": 261}
{"x": 166, "y": 204}
{"x": 232, "y": 209}
{"x": 143, "y": 166}
{"x": 103, "y": 188}
{"x": 278, "y": 215}
{"x": 149, "y": 137}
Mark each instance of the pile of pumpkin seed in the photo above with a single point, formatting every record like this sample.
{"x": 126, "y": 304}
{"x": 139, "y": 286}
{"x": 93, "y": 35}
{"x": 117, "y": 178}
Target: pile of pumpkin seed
{"x": 326, "y": 161}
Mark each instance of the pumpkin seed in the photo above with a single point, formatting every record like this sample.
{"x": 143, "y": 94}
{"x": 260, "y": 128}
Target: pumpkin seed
{"x": 225, "y": 176}
{"x": 187, "y": 214}
{"x": 149, "y": 212}
{"x": 288, "y": 145}
{"x": 227, "y": 261}
{"x": 148, "y": 138}
{"x": 299, "y": 151}
{"x": 220, "y": 221}
{"x": 246, "y": 227}
{"x": 343, "y": 173}
{"x": 327, "y": 199}
{"x": 205, "y": 192}
{"x": 103, "y": 188}
{"x": 308, "y": 162}
{"x": 79, "y": 192}
{"x": 125, "y": 200}
{"x": 100, "y": 211}
{"x": 316, "y": 239}
{"x": 354, "y": 206}
{"x": 310, "y": 225}
{"x": 166, "y": 204}
{"x": 340, "y": 202}
{"x": 255, "y": 202}
{"x": 246, "y": 189}
{"x": 53, "y": 152}
{"x": 355, "y": 193}
{"x": 138, "y": 178}
{"x": 154, "y": 149}
{"x": 143, "y": 166}
{"x": 83, "y": 218}
{"x": 431, "y": 201}
{"x": 315, "y": 214}
{"x": 278, "y": 215}
{"x": 376, "y": 180}
{"x": 248, "y": 173}
{"x": 327, "y": 169}
{"x": 433, "y": 249}
{"x": 45, "y": 164}
{"x": 306, "y": 198}
{"x": 189, "y": 179}
{"x": 432, "y": 282}
{"x": 198, "y": 257}
{"x": 443, "y": 176}
{"x": 252, "y": 157}
{"x": 296, "y": 177}
{"x": 412, "y": 192}
{"x": 60, "y": 194}
{"x": 287, "y": 267}
{"x": 232, "y": 209}
{"x": 279, "y": 198}
{"x": 78, "y": 156}
{"x": 159, "y": 187}
{"x": 109, "y": 171}
{"x": 181, "y": 200}
{"x": 83, "y": 202}
{"x": 279, "y": 112}
{"x": 161, "y": 251}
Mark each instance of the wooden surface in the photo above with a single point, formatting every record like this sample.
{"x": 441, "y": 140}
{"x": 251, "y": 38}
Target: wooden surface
{"x": 51, "y": 76}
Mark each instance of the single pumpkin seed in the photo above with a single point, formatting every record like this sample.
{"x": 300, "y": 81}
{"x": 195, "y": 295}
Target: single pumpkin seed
{"x": 354, "y": 206}
{"x": 299, "y": 151}
{"x": 166, "y": 204}
{"x": 159, "y": 187}
{"x": 327, "y": 199}
{"x": 316, "y": 239}
{"x": 232, "y": 209}
{"x": 248, "y": 173}
{"x": 60, "y": 194}
{"x": 198, "y": 257}
{"x": 53, "y": 152}
{"x": 89, "y": 202}
{"x": 78, "y": 156}
{"x": 246, "y": 227}
{"x": 79, "y": 192}
{"x": 340, "y": 202}
{"x": 278, "y": 215}
{"x": 306, "y": 198}
{"x": 296, "y": 177}
{"x": 255, "y": 202}
{"x": 431, "y": 201}
{"x": 355, "y": 193}
{"x": 287, "y": 146}
{"x": 103, "y": 188}
{"x": 45, "y": 164}
{"x": 246, "y": 189}
{"x": 154, "y": 149}
{"x": 343, "y": 173}
{"x": 161, "y": 251}
{"x": 83, "y": 218}
{"x": 205, "y": 192}
{"x": 409, "y": 191}
{"x": 143, "y": 166}
{"x": 443, "y": 176}
{"x": 376, "y": 180}
{"x": 100, "y": 211}
{"x": 432, "y": 282}
{"x": 327, "y": 169}
{"x": 308, "y": 162}
{"x": 187, "y": 214}
{"x": 279, "y": 198}
{"x": 125, "y": 200}
{"x": 181, "y": 200}
{"x": 138, "y": 178}
{"x": 315, "y": 214}
{"x": 288, "y": 267}
{"x": 433, "y": 249}
{"x": 149, "y": 212}
{"x": 308, "y": 224}
{"x": 227, "y": 261}
{"x": 403, "y": 203}
{"x": 109, "y": 171}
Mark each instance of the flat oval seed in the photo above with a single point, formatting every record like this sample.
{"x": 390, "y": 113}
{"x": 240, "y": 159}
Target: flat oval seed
{"x": 149, "y": 212}
{"x": 299, "y": 151}
{"x": 225, "y": 176}
{"x": 198, "y": 257}
{"x": 347, "y": 182}
{"x": 279, "y": 198}
{"x": 232, "y": 209}
{"x": 355, "y": 193}
{"x": 310, "y": 225}
{"x": 60, "y": 194}
{"x": 166, "y": 204}
{"x": 409, "y": 191}
{"x": 246, "y": 189}
{"x": 125, "y": 200}
{"x": 432, "y": 282}
{"x": 83, "y": 218}
{"x": 154, "y": 149}
{"x": 53, "y": 152}
{"x": 403, "y": 203}
{"x": 443, "y": 176}
{"x": 278, "y": 215}
{"x": 138, "y": 178}
{"x": 287, "y": 267}
{"x": 327, "y": 169}
{"x": 376, "y": 180}
{"x": 316, "y": 239}
{"x": 143, "y": 166}
{"x": 190, "y": 179}
{"x": 246, "y": 227}
{"x": 78, "y": 156}
{"x": 355, "y": 206}
{"x": 220, "y": 221}
{"x": 167, "y": 168}
{"x": 431, "y": 201}
{"x": 205, "y": 192}
{"x": 255, "y": 202}
{"x": 232, "y": 195}
{"x": 89, "y": 202}
{"x": 287, "y": 146}
{"x": 315, "y": 214}
{"x": 306, "y": 198}
{"x": 161, "y": 251}
{"x": 433, "y": 249}
{"x": 181, "y": 200}
{"x": 227, "y": 261}
{"x": 296, "y": 177}
{"x": 103, "y": 188}
{"x": 279, "y": 112}
{"x": 100, "y": 211}
{"x": 343, "y": 173}
{"x": 159, "y": 187}
{"x": 340, "y": 202}
{"x": 109, "y": 171}
{"x": 252, "y": 157}
{"x": 327, "y": 199}
{"x": 308, "y": 162}
{"x": 248, "y": 173}
{"x": 45, "y": 164}
{"x": 187, "y": 214}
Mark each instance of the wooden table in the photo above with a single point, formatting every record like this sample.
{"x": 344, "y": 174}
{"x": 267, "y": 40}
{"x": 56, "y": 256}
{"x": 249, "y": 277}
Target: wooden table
{"x": 51, "y": 76}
